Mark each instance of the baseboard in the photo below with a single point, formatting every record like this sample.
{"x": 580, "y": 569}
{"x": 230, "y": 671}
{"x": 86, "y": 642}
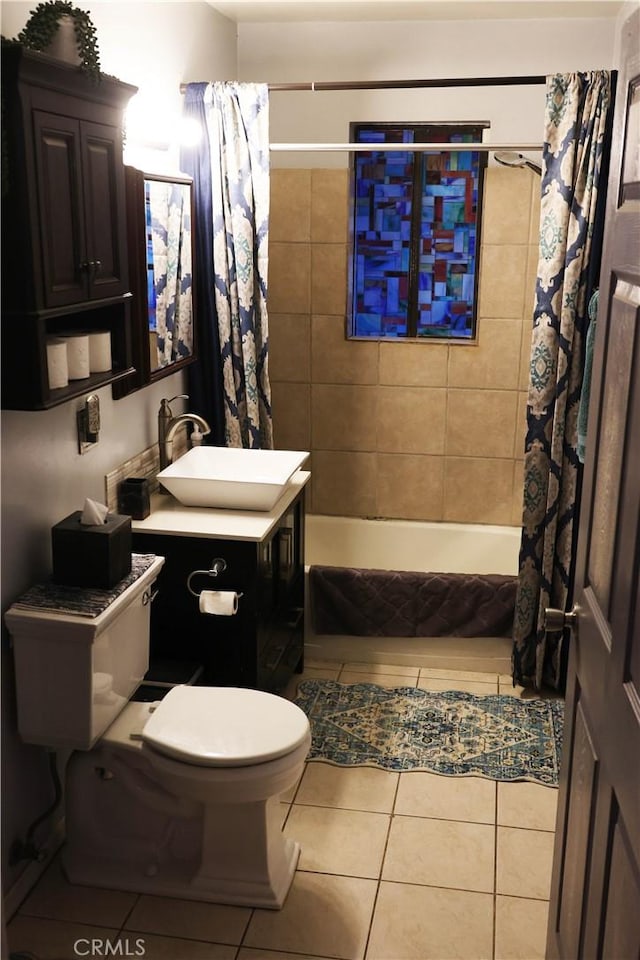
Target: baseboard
{"x": 27, "y": 880}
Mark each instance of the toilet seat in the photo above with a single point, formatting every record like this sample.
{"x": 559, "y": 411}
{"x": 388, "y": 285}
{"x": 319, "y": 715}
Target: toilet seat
{"x": 225, "y": 726}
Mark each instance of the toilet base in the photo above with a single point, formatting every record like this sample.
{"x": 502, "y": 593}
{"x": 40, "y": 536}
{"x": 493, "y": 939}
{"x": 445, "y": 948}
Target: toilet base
{"x": 126, "y": 830}
{"x": 176, "y": 881}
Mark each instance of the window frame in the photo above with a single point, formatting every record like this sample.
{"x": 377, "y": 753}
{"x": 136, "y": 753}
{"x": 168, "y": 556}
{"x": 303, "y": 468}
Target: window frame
{"x": 423, "y": 132}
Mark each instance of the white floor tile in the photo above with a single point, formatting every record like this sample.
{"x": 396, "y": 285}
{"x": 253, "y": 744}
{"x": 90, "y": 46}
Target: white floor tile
{"x": 442, "y": 674}
{"x": 53, "y": 939}
{"x": 427, "y": 923}
{"x": 353, "y": 788}
{"x": 379, "y": 679}
{"x": 171, "y": 948}
{"x": 189, "y": 918}
{"x": 524, "y": 859}
{"x": 56, "y": 898}
{"x": 530, "y": 805}
{"x": 441, "y": 853}
{"x": 393, "y": 669}
{"x": 521, "y": 928}
{"x": 323, "y": 915}
{"x": 446, "y": 798}
{"x": 480, "y": 689}
{"x": 347, "y": 842}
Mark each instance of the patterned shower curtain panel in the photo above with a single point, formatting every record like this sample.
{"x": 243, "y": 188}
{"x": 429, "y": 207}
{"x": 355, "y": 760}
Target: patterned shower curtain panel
{"x": 577, "y": 106}
{"x": 238, "y": 133}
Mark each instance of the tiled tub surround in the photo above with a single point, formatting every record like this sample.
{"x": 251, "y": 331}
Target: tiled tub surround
{"x": 410, "y": 866}
{"x": 413, "y": 430}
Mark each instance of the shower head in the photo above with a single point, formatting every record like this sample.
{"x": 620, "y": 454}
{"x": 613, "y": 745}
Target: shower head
{"x": 517, "y": 160}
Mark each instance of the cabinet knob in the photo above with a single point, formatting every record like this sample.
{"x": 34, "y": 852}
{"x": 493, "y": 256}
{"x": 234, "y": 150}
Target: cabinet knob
{"x": 84, "y": 266}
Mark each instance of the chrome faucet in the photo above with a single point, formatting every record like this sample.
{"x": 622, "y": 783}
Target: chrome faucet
{"x": 168, "y": 425}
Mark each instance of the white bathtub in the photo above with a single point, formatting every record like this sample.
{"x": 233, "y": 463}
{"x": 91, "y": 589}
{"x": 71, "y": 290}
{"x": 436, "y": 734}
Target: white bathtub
{"x": 412, "y": 545}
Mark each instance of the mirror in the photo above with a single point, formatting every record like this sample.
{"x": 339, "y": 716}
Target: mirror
{"x": 160, "y": 243}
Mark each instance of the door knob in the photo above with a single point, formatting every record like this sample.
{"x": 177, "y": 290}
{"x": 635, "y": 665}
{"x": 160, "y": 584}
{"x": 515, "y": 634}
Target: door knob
{"x": 558, "y": 619}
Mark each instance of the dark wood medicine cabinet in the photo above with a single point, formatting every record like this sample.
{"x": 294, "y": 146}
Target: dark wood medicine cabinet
{"x": 64, "y": 245}
{"x": 161, "y": 256}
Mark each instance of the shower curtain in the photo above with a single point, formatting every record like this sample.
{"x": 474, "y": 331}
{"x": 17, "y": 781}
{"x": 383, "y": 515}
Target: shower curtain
{"x": 230, "y": 168}
{"x": 575, "y": 153}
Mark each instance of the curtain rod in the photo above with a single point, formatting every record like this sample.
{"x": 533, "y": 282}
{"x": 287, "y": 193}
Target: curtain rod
{"x": 316, "y": 86}
{"x": 403, "y": 147}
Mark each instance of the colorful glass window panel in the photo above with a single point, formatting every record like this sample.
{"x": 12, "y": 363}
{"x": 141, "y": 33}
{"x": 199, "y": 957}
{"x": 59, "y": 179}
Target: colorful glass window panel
{"x": 416, "y": 228}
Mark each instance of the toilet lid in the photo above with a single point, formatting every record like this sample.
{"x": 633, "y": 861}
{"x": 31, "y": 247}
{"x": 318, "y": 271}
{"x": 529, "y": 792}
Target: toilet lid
{"x": 225, "y": 726}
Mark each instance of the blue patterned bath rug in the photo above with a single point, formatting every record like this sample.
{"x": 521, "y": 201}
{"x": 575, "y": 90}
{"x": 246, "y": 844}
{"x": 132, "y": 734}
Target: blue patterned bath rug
{"x": 452, "y": 733}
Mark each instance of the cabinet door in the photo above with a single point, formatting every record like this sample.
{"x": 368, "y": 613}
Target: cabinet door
{"x": 81, "y": 199}
{"x": 103, "y": 194}
{"x": 62, "y": 232}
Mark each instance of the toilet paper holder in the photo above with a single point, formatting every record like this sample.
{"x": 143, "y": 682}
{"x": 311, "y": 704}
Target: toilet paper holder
{"x": 218, "y": 566}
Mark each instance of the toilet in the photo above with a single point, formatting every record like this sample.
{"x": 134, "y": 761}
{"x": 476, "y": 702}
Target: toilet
{"x": 176, "y": 798}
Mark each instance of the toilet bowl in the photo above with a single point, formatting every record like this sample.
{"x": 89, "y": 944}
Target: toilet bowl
{"x": 177, "y": 798}
{"x": 181, "y": 798}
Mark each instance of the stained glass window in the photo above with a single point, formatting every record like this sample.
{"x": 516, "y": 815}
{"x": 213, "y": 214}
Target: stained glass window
{"x": 415, "y": 260}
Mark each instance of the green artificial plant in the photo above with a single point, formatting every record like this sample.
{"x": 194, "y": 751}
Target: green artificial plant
{"x": 42, "y": 25}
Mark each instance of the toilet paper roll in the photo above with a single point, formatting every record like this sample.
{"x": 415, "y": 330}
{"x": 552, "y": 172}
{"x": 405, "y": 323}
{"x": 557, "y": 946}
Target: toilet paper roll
{"x": 222, "y": 603}
{"x": 100, "y": 351}
{"x": 78, "y": 355}
{"x": 57, "y": 367}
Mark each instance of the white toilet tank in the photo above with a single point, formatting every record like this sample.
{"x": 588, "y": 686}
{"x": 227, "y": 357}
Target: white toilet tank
{"x": 75, "y": 673}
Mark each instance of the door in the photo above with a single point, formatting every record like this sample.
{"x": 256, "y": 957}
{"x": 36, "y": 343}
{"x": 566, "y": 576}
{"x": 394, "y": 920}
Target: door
{"x": 595, "y": 891}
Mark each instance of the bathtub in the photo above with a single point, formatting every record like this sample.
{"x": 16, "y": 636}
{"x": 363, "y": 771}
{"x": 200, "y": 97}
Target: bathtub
{"x": 411, "y": 545}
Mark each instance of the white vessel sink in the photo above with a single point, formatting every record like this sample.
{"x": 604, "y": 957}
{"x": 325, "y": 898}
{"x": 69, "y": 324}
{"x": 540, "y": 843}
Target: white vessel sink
{"x": 231, "y": 478}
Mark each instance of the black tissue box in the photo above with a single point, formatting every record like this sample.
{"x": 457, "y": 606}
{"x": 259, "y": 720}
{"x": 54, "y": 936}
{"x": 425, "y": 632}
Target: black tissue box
{"x": 91, "y": 556}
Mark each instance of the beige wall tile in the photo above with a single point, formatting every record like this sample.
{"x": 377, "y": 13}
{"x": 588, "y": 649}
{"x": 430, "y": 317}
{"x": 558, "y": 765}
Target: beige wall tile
{"x": 329, "y": 206}
{"x": 506, "y": 211}
{"x": 494, "y": 361}
{"x": 290, "y": 347}
{"x": 290, "y": 210}
{"x": 534, "y": 229}
{"x": 413, "y": 363}
{"x": 291, "y": 407}
{"x": 329, "y": 278}
{"x": 529, "y": 298}
{"x": 343, "y": 417}
{"x": 481, "y": 423}
{"x": 525, "y": 353}
{"x": 411, "y": 419}
{"x": 335, "y": 359}
{"x": 344, "y": 484}
{"x": 410, "y": 487}
{"x": 478, "y": 491}
{"x": 289, "y": 278}
{"x": 502, "y": 274}
{"x": 518, "y": 493}
{"x": 521, "y": 426}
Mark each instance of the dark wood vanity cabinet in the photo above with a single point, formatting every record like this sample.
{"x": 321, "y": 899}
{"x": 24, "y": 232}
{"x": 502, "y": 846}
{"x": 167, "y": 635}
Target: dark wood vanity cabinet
{"x": 64, "y": 248}
{"x": 263, "y": 643}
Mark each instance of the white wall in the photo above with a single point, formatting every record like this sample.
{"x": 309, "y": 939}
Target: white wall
{"x": 155, "y": 46}
{"x": 292, "y": 52}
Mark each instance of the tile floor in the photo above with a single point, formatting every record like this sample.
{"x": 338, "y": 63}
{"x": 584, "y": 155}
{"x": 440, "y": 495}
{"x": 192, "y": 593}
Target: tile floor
{"x": 409, "y": 866}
